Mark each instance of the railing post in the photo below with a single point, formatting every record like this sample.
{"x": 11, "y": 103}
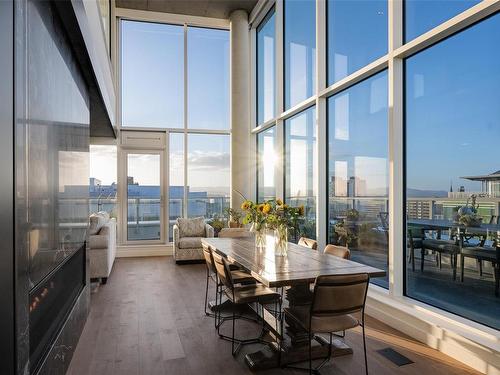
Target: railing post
{"x": 137, "y": 212}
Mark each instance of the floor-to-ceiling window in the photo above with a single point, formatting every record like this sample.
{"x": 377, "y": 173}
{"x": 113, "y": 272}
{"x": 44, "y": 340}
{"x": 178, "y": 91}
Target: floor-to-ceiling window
{"x": 299, "y": 51}
{"x": 405, "y": 128}
{"x": 266, "y": 163}
{"x": 452, "y": 137}
{"x": 356, "y": 35}
{"x": 301, "y": 168}
{"x": 103, "y": 179}
{"x": 266, "y": 69}
{"x": 358, "y": 180}
{"x": 175, "y": 79}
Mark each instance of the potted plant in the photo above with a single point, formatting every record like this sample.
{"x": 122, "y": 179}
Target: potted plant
{"x": 233, "y": 217}
{"x": 217, "y": 223}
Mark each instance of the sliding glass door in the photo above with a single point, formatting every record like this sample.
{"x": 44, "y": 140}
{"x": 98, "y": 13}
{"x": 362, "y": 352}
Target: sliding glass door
{"x": 145, "y": 208}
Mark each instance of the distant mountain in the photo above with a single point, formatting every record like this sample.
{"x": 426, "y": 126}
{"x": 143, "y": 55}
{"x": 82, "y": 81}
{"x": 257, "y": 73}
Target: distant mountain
{"x": 417, "y": 193}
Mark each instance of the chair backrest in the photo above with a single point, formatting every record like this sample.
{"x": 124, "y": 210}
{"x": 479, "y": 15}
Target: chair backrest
{"x": 338, "y": 251}
{"x": 308, "y": 242}
{"x": 234, "y": 233}
{"x": 339, "y": 294}
{"x": 493, "y": 219}
{"x": 209, "y": 259}
{"x": 223, "y": 272}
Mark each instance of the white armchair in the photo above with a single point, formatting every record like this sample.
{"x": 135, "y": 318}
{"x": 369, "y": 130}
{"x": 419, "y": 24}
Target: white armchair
{"x": 187, "y": 235}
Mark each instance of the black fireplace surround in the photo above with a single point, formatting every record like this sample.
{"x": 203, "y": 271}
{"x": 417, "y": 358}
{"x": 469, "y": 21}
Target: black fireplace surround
{"x": 51, "y": 302}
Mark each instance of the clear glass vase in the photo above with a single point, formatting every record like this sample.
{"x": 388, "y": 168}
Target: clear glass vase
{"x": 260, "y": 235}
{"x": 281, "y": 240}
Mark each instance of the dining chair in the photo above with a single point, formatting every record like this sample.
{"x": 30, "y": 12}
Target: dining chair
{"x": 338, "y": 304}
{"x": 244, "y": 295}
{"x": 237, "y": 275}
{"x": 338, "y": 251}
{"x": 308, "y": 242}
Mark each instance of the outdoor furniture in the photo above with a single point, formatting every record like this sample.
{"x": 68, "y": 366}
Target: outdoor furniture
{"x": 243, "y": 295}
{"x": 296, "y": 271}
{"x": 187, "y": 235}
{"x": 338, "y": 251}
{"x": 308, "y": 242}
{"x": 414, "y": 242}
{"x": 338, "y": 304}
{"x": 482, "y": 253}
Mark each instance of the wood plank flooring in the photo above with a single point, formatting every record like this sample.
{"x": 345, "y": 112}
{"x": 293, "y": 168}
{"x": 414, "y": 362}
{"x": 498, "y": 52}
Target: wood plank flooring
{"x": 148, "y": 320}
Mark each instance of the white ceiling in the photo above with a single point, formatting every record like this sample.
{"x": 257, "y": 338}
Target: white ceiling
{"x": 203, "y": 8}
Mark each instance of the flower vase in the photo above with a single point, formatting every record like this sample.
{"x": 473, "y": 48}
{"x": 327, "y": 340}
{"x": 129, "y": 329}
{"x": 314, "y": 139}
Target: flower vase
{"x": 260, "y": 236}
{"x": 281, "y": 240}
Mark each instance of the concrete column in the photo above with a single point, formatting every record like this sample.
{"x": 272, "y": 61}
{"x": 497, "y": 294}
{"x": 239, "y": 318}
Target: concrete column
{"x": 242, "y": 147}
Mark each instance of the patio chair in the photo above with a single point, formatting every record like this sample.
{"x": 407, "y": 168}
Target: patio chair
{"x": 482, "y": 253}
{"x": 338, "y": 251}
{"x": 440, "y": 246}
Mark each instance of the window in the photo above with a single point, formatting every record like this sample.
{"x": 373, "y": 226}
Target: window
{"x": 357, "y": 35}
{"x": 266, "y": 69}
{"x": 176, "y": 180}
{"x": 452, "y": 137}
{"x": 422, "y": 16}
{"x": 152, "y": 79}
{"x": 266, "y": 161}
{"x": 300, "y": 51}
{"x": 208, "y": 180}
{"x": 301, "y": 167}
{"x": 358, "y": 172}
{"x": 208, "y": 78}
{"x": 102, "y": 187}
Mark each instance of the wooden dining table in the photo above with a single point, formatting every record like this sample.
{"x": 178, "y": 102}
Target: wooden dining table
{"x": 293, "y": 272}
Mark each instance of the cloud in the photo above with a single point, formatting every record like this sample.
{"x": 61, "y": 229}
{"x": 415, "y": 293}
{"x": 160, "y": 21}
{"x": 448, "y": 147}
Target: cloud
{"x": 206, "y": 161}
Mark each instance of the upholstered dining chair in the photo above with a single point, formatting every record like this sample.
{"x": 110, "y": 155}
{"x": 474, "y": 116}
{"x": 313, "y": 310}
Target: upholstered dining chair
{"x": 243, "y": 295}
{"x": 308, "y": 242}
{"x": 338, "y": 304}
{"x": 338, "y": 251}
{"x": 237, "y": 275}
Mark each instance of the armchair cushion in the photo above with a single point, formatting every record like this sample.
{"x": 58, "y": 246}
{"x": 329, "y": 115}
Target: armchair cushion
{"x": 97, "y": 221}
{"x": 98, "y": 241}
{"x": 189, "y": 242}
{"x": 191, "y": 227}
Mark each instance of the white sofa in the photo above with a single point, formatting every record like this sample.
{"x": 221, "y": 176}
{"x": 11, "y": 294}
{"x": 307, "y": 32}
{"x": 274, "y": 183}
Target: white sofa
{"x": 102, "y": 245}
{"x": 187, "y": 235}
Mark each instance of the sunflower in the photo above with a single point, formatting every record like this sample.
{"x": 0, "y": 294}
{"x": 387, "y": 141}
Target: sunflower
{"x": 266, "y": 208}
{"x": 260, "y": 208}
{"x": 301, "y": 210}
{"x": 279, "y": 202}
{"x": 245, "y": 205}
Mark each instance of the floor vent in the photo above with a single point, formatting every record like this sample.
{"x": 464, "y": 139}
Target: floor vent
{"x": 395, "y": 357}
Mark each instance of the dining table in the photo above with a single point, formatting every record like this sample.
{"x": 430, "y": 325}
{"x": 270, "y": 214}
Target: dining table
{"x": 484, "y": 229}
{"x": 292, "y": 274}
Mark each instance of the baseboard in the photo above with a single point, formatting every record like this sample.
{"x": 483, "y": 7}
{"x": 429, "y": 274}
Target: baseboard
{"x": 470, "y": 344}
{"x": 143, "y": 251}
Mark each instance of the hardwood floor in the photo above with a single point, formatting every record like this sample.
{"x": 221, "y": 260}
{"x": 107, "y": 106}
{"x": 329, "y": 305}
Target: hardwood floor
{"x": 148, "y": 320}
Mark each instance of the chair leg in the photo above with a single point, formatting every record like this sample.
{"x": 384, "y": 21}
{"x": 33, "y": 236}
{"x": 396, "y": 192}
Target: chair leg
{"x": 412, "y": 254}
{"x": 364, "y": 348}
{"x": 422, "y": 257}
{"x": 310, "y": 355}
{"x": 232, "y": 342}
{"x": 497, "y": 278}
{"x": 206, "y": 293}
{"x": 462, "y": 262}
{"x": 454, "y": 258}
{"x": 480, "y": 267}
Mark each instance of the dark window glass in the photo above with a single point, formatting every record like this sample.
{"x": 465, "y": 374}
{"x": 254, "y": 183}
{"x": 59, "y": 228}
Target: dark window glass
{"x": 300, "y": 51}
{"x": 358, "y": 172}
{"x": 452, "y": 138}
{"x": 357, "y": 35}
{"x": 423, "y": 15}
{"x": 266, "y": 69}
{"x": 301, "y": 167}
